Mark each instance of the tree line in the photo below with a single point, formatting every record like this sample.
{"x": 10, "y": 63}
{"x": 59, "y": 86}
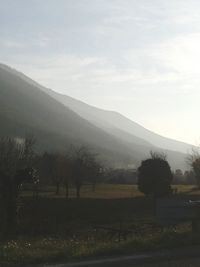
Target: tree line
{"x": 20, "y": 164}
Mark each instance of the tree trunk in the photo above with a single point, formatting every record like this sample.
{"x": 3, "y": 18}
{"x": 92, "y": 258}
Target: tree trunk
{"x": 94, "y": 187}
{"x": 78, "y": 189}
{"x": 36, "y": 191}
{"x": 66, "y": 190}
{"x": 57, "y": 188}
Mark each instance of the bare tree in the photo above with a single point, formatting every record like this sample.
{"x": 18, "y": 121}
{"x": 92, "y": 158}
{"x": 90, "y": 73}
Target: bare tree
{"x": 15, "y": 168}
{"x": 84, "y": 166}
{"x": 50, "y": 169}
{"x": 68, "y": 174}
{"x": 63, "y": 172}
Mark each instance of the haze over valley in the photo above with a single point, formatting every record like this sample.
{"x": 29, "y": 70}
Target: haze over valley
{"x": 58, "y": 121}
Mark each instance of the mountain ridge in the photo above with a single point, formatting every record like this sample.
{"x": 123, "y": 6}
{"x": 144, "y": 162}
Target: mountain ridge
{"x": 92, "y": 108}
{"x": 70, "y": 101}
{"x": 52, "y": 120}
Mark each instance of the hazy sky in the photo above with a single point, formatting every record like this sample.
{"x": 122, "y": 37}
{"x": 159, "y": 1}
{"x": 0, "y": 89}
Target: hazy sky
{"x": 141, "y": 58}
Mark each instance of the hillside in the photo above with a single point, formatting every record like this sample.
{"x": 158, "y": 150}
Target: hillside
{"x": 119, "y": 125}
{"x": 58, "y": 121}
{"x": 24, "y": 108}
{"x": 111, "y": 121}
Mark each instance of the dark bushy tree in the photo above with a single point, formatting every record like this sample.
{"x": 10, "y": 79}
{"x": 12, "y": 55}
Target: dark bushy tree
{"x": 194, "y": 162}
{"x": 190, "y": 177}
{"x": 196, "y": 168}
{"x": 155, "y": 176}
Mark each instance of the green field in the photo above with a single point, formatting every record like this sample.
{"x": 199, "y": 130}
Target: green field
{"x": 55, "y": 229}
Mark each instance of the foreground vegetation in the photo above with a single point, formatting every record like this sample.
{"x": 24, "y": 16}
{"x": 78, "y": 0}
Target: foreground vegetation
{"x": 53, "y": 229}
{"x": 49, "y": 250}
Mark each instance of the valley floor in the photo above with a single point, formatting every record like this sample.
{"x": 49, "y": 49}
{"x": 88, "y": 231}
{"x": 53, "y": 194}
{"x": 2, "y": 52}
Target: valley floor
{"x": 55, "y": 229}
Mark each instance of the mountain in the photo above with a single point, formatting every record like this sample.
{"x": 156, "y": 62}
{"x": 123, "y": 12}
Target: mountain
{"x": 58, "y": 121}
{"x": 119, "y": 125}
{"x": 24, "y": 108}
{"x": 123, "y": 128}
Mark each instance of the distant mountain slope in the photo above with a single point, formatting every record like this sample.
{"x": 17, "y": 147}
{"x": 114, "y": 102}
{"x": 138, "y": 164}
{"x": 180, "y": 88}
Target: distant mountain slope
{"x": 84, "y": 110}
{"x": 99, "y": 117}
{"x": 26, "y": 106}
{"x": 119, "y": 125}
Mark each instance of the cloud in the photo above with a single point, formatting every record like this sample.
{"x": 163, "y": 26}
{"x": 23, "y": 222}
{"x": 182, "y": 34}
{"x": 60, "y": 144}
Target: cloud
{"x": 118, "y": 54}
{"x": 182, "y": 53}
{"x": 11, "y": 44}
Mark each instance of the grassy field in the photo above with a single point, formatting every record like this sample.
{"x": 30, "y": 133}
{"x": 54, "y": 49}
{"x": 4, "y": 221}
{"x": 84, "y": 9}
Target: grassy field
{"x": 54, "y": 229}
{"x": 102, "y": 191}
{"x": 107, "y": 191}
